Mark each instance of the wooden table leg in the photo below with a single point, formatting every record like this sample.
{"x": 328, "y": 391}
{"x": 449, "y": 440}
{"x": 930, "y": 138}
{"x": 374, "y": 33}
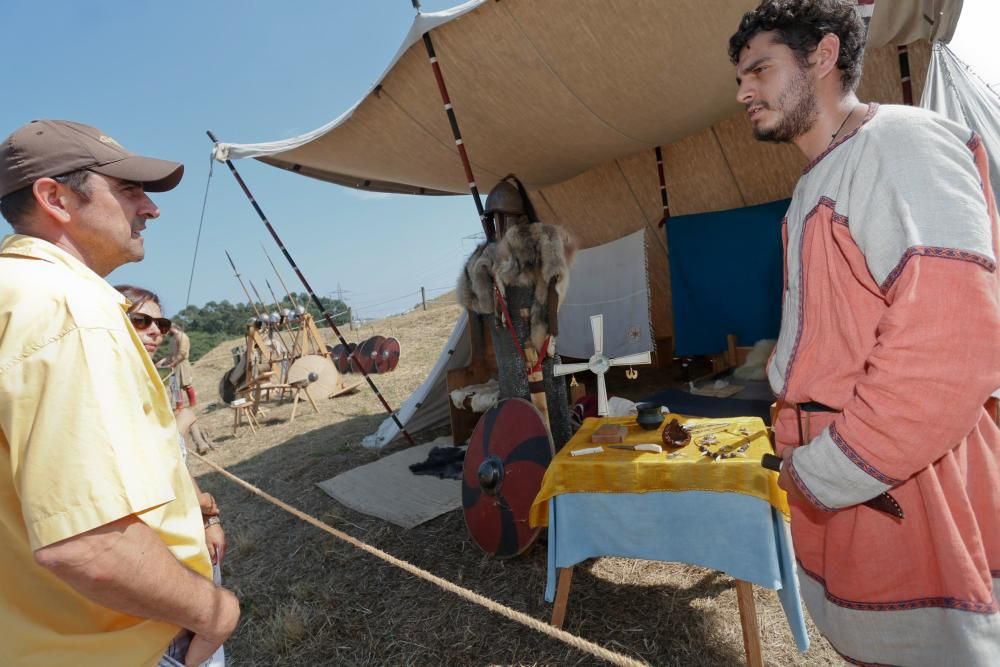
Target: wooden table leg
{"x": 562, "y": 596}
{"x": 748, "y": 619}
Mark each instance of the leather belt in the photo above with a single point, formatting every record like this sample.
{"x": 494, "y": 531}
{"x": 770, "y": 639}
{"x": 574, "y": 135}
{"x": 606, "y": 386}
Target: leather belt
{"x": 813, "y": 406}
{"x": 883, "y": 502}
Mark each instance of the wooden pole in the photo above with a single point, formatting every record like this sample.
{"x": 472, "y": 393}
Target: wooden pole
{"x": 423, "y": 298}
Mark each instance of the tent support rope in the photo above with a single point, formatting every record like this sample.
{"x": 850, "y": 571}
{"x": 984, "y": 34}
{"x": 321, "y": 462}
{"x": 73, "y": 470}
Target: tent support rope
{"x": 201, "y": 221}
{"x": 305, "y": 283}
{"x": 469, "y": 595}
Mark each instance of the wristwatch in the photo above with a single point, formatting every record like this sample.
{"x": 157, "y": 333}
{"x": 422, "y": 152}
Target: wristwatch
{"x": 212, "y": 520}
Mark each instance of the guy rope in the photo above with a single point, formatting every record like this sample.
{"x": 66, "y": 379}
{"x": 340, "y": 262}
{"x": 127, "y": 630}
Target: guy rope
{"x": 576, "y": 642}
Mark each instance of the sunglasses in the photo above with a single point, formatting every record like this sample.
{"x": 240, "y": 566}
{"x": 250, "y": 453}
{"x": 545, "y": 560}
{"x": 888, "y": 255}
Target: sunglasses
{"x": 141, "y": 322}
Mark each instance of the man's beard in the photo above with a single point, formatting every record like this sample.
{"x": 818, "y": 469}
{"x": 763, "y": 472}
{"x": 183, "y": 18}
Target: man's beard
{"x": 797, "y": 103}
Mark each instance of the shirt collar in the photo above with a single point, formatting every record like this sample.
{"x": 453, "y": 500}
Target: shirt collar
{"x": 22, "y": 245}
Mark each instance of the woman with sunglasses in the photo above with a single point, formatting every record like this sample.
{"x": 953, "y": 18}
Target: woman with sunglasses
{"x": 148, "y": 321}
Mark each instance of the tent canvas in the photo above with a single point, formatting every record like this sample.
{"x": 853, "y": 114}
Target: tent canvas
{"x": 573, "y": 97}
{"x": 726, "y": 274}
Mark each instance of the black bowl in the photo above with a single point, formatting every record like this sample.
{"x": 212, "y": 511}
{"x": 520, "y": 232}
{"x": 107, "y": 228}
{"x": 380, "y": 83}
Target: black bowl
{"x": 649, "y": 415}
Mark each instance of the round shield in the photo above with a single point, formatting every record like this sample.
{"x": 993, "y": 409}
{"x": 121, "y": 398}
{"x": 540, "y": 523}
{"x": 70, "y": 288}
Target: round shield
{"x": 352, "y": 364}
{"x": 328, "y": 381}
{"x": 370, "y": 351}
{"x": 338, "y": 353}
{"x": 227, "y": 390}
{"x": 388, "y": 356}
{"x": 364, "y": 355}
{"x": 504, "y": 465}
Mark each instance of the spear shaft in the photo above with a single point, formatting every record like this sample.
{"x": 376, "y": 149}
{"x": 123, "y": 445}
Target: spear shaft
{"x": 274, "y": 324}
{"x": 291, "y": 297}
{"x": 239, "y": 278}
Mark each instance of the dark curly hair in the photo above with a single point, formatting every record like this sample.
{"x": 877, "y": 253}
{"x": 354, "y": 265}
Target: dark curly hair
{"x": 800, "y": 25}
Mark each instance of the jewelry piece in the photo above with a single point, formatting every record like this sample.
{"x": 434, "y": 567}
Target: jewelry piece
{"x": 707, "y": 428}
{"x": 833, "y": 137}
{"x": 725, "y": 452}
{"x": 730, "y": 450}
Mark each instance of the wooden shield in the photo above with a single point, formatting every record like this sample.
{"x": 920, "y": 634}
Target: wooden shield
{"x": 367, "y": 351}
{"x": 388, "y": 355}
{"x": 227, "y": 388}
{"x": 504, "y": 465}
{"x": 329, "y": 382}
{"x": 352, "y": 364}
{"x": 338, "y": 353}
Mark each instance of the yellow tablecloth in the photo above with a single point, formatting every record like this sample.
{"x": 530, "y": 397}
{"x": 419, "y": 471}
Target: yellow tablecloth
{"x": 626, "y": 471}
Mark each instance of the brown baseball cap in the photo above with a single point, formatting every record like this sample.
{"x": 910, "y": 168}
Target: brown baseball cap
{"x": 47, "y": 148}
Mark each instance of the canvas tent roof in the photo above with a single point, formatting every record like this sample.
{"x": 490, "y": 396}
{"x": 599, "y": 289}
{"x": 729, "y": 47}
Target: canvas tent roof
{"x": 572, "y": 97}
{"x": 548, "y": 90}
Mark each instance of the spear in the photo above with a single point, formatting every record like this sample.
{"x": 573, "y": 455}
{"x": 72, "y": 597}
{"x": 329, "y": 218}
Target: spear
{"x": 280, "y": 337}
{"x": 239, "y": 278}
{"x": 288, "y": 323}
{"x": 291, "y": 297}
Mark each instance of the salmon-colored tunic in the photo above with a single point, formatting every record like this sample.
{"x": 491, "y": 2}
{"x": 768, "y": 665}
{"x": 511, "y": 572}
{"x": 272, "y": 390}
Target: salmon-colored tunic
{"x": 892, "y": 318}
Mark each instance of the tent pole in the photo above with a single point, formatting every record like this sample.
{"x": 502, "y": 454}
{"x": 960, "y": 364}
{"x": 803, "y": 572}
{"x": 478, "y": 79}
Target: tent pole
{"x": 866, "y": 8}
{"x": 904, "y": 74}
{"x": 663, "y": 188}
{"x": 319, "y": 304}
{"x": 453, "y": 121}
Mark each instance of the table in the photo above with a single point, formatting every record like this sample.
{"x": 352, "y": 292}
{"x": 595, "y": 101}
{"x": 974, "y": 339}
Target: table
{"x": 646, "y": 505}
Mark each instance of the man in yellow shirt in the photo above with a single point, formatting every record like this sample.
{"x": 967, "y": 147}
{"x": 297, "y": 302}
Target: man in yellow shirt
{"x": 104, "y": 558}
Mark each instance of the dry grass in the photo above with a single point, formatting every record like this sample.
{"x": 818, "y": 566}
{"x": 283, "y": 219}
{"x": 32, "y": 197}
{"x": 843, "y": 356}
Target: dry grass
{"x": 309, "y": 599}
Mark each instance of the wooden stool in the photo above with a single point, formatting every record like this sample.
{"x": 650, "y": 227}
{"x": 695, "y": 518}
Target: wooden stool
{"x": 299, "y": 390}
{"x": 243, "y": 408}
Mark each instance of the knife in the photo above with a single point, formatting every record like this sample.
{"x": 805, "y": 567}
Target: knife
{"x": 639, "y": 448}
{"x": 883, "y": 502}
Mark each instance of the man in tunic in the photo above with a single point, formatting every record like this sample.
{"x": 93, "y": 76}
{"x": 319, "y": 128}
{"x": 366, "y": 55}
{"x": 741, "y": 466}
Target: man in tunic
{"x": 180, "y": 350}
{"x": 889, "y": 348}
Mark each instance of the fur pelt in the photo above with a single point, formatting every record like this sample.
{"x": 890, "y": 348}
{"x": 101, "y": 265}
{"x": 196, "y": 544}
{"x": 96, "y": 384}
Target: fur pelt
{"x": 536, "y": 255}
{"x": 475, "y": 284}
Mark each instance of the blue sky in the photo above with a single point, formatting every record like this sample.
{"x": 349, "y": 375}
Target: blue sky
{"x": 156, "y": 75}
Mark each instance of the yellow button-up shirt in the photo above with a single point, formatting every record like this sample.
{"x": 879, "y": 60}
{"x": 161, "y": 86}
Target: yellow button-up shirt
{"x": 87, "y": 437}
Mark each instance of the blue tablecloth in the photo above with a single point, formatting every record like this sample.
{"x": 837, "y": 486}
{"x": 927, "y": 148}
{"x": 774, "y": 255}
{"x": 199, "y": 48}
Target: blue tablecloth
{"x": 737, "y": 534}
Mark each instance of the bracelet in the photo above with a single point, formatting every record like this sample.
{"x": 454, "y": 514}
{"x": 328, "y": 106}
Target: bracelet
{"x": 212, "y": 520}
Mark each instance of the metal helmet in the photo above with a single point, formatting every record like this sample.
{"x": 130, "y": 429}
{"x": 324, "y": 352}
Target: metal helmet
{"x": 505, "y": 198}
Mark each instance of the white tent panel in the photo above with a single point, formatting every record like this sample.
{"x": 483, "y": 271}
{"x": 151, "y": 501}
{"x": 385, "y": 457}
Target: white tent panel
{"x": 953, "y": 91}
